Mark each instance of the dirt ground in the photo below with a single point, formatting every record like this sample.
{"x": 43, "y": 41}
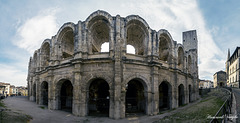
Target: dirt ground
{"x": 41, "y": 115}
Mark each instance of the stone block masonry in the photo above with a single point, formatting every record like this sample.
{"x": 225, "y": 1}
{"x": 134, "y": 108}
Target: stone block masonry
{"x": 70, "y": 72}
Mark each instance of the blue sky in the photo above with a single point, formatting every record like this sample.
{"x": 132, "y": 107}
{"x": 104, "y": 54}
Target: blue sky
{"x": 25, "y": 24}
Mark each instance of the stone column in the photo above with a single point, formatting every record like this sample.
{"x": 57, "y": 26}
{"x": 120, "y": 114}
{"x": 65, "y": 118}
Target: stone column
{"x": 154, "y": 91}
{"x": 115, "y": 106}
{"x": 76, "y": 107}
{"x": 38, "y": 87}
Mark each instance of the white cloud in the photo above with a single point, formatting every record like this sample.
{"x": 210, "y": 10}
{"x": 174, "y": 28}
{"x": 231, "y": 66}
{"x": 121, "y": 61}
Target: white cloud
{"x": 35, "y": 30}
{"x": 11, "y": 74}
{"x": 177, "y": 16}
{"x": 174, "y": 15}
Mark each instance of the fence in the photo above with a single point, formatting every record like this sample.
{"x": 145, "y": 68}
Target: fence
{"x": 222, "y": 116}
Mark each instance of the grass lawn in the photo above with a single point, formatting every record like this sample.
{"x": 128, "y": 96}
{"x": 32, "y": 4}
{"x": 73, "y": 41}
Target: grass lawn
{"x": 198, "y": 112}
{"x": 9, "y": 116}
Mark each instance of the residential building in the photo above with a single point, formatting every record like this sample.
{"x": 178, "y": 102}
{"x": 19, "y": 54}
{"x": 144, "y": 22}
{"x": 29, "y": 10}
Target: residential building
{"x": 232, "y": 68}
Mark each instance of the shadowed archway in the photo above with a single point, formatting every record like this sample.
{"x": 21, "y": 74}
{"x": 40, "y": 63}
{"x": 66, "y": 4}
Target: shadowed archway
{"x": 135, "y": 97}
{"x": 98, "y": 98}
{"x": 181, "y": 95}
{"x": 44, "y": 93}
{"x": 165, "y": 94}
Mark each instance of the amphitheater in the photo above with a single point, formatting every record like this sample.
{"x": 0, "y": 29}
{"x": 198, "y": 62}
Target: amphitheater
{"x": 72, "y": 71}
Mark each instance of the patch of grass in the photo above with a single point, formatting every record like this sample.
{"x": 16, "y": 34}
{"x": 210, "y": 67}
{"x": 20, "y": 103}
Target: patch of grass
{"x": 42, "y": 107}
{"x": 2, "y": 104}
{"x": 198, "y": 112}
{"x": 9, "y": 116}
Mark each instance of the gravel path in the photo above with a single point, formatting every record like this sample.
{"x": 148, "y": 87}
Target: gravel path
{"x": 237, "y": 96}
{"x": 40, "y": 115}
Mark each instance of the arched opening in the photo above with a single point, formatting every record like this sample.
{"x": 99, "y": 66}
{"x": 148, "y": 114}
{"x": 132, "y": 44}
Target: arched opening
{"x": 44, "y": 93}
{"x": 180, "y": 58}
{"x": 66, "y": 95}
{"x": 45, "y": 54}
{"x": 190, "y": 93}
{"x": 130, "y": 49}
{"x": 189, "y": 64}
{"x": 164, "y": 48}
{"x": 35, "y": 60}
{"x": 67, "y": 42}
{"x": 99, "y": 33}
{"x": 137, "y": 36}
{"x": 34, "y": 92}
{"x": 135, "y": 98}
{"x": 181, "y": 95}
{"x": 165, "y": 94}
{"x": 221, "y": 84}
{"x": 98, "y": 98}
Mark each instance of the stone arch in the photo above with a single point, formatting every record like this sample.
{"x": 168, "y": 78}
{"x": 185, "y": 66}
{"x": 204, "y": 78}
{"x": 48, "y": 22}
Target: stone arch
{"x": 180, "y": 59}
{"x": 137, "y": 34}
{"x": 189, "y": 64}
{"x": 165, "y": 96}
{"x": 35, "y": 60}
{"x": 136, "y": 96}
{"x": 165, "y": 46}
{"x": 64, "y": 95}
{"x": 102, "y": 19}
{"x": 181, "y": 95}
{"x": 65, "y": 38}
{"x": 98, "y": 33}
{"x": 142, "y": 79}
{"x": 34, "y": 91}
{"x": 98, "y": 97}
{"x": 190, "y": 91}
{"x": 45, "y": 53}
{"x": 44, "y": 93}
{"x": 90, "y": 77}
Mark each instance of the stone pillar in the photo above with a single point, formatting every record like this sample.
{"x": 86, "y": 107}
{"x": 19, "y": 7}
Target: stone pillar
{"x": 115, "y": 106}
{"x": 154, "y": 91}
{"x": 78, "y": 41}
{"x": 76, "y": 107}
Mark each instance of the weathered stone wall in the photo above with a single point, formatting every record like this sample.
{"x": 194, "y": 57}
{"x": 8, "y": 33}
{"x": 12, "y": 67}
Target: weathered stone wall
{"x": 73, "y": 58}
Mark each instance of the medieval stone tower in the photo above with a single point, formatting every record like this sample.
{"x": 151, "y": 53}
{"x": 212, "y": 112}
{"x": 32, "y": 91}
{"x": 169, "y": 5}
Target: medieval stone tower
{"x": 70, "y": 71}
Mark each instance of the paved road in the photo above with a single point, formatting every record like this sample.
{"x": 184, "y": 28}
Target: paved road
{"x": 237, "y": 95}
{"x": 56, "y": 116}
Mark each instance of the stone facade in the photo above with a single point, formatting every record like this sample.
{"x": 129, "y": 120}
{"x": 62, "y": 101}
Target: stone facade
{"x": 219, "y": 79}
{"x": 70, "y": 72}
{"x": 232, "y": 68}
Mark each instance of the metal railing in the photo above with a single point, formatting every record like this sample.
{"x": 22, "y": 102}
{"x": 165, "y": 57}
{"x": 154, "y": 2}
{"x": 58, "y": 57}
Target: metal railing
{"x": 222, "y": 116}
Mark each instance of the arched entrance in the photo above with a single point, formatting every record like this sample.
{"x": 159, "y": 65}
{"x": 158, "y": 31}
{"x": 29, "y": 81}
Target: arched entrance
{"x": 181, "y": 95}
{"x": 135, "y": 99}
{"x": 98, "y": 98}
{"x": 44, "y": 93}
{"x": 221, "y": 84}
{"x": 165, "y": 94}
{"x": 66, "y": 96}
{"x": 34, "y": 92}
{"x": 190, "y": 93}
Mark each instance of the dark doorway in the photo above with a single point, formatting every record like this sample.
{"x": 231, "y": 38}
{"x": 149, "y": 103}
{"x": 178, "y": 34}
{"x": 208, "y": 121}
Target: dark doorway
{"x": 34, "y": 92}
{"x": 44, "y": 95}
{"x": 66, "y": 96}
{"x": 221, "y": 84}
{"x": 180, "y": 95}
{"x": 135, "y": 100}
{"x": 98, "y": 103}
{"x": 164, "y": 96}
{"x": 190, "y": 93}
